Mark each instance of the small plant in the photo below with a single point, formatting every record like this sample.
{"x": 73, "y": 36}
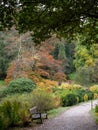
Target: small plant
{"x": 19, "y": 86}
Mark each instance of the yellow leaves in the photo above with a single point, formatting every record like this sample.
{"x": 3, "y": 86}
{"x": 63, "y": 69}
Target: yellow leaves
{"x": 70, "y": 86}
{"x": 89, "y": 61}
{"x": 95, "y": 95}
{"x": 57, "y": 101}
{"x": 82, "y": 51}
{"x": 85, "y": 56}
{"x": 47, "y": 84}
{"x": 85, "y": 97}
{"x": 77, "y": 86}
{"x": 64, "y": 86}
{"x": 94, "y": 88}
{"x": 41, "y": 84}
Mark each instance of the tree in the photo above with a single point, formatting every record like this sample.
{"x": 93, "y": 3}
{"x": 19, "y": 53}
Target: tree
{"x": 86, "y": 62}
{"x": 47, "y": 64}
{"x": 46, "y": 17}
{"x": 25, "y": 60}
{"x": 85, "y": 55}
{"x": 8, "y": 51}
{"x": 64, "y": 51}
{"x": 70, "y": 54}
{"x": 3, "y": 60}
{"x": 34, "y": 62}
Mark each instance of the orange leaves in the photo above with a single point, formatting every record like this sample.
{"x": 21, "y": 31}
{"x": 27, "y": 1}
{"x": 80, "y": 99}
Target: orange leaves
{"x": 48, "y": 84}
{"x": 34, "y": 76}
{"x": 36, "y": 63}
{"x": 43, "y": 73}
{"x": 59, "y": 76}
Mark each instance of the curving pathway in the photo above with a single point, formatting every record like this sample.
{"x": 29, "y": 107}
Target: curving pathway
{"x": 76, "y": 118}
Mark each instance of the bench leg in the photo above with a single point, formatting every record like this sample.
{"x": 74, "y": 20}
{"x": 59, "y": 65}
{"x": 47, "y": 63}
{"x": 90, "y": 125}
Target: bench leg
{"x": 41, "y": 120}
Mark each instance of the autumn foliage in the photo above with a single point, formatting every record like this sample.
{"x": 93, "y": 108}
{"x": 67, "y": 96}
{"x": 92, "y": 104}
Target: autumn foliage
{"x": 59, "y": 76}
{"x": 36, "y": 63}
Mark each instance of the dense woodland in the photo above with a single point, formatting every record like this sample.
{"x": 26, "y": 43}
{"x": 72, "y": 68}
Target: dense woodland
{"x": 20, "y": 57}
{"x": 54, "y": 59}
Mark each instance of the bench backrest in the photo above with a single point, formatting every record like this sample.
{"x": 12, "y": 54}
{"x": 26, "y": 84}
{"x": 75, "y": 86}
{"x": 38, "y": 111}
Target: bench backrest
{"x": 33, "y": 110}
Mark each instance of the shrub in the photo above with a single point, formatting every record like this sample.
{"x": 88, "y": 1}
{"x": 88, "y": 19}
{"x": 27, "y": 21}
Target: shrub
{"x": 1, "y": 122}
{"x": 13, "y": 113}
{"x": 70, "y": 86}
{"x": 69, "y": 100}
{"x": 81, "y": 93}
{"x": 10, "y": 112}
{"x": 47, "y": 84}
{"x": 90, "y": 95}
{"x": 94, "y": 88}
{"x": 60, "y": 77}
{"x": 42, "y": 99}
{"x": 19, "y": 86}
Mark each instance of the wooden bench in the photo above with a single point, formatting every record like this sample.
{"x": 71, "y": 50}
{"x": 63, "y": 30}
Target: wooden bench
{"x": 35, "y": 114}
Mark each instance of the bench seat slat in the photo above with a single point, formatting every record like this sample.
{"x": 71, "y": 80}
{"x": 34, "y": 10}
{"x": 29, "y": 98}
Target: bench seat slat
{"x": 37, "y": 115}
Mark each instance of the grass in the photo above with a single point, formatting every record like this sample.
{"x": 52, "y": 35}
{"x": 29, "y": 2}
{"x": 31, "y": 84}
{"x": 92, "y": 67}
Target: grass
{"x": 94, "y": 115}
{"x": 57, "y": 111}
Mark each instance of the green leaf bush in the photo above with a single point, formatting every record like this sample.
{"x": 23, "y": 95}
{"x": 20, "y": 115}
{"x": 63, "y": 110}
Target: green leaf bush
{"x": 69, "y": 100}
{"x": 80, "y": 93}
{"x": 20, "y": 85}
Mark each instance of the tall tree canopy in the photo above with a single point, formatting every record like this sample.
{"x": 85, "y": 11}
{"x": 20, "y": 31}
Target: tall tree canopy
{"x": 45, "y": 17}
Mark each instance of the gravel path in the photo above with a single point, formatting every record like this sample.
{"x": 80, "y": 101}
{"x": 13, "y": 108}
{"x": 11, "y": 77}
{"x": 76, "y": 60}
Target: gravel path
{"x": 76, "y": 118}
